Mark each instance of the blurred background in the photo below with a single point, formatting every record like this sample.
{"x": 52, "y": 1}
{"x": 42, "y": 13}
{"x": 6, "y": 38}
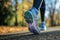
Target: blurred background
{"x": 12, "y": 11}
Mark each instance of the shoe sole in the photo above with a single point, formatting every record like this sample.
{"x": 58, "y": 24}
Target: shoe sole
{"x": 29, "y": 19}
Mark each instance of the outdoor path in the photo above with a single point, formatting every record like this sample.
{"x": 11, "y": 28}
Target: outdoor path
{"x": 50, "y": 34}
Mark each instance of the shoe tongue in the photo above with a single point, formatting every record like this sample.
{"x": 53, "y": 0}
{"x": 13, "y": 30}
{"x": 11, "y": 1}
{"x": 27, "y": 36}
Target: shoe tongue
{"x": 35, "y": 10}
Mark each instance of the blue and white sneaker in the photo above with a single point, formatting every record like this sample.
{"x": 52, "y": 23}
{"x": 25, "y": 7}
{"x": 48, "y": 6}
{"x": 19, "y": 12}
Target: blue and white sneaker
{"x": 43, "y": 26}
{"x": 31, "y": 17}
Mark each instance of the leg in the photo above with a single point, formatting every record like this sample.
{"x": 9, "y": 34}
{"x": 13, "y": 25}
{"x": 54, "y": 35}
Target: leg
{"x": 42, "y": 10}
{"x": 36, "y": 3}
{"x": 31, "y": 17}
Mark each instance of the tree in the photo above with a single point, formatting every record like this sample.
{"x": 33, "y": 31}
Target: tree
{"x": 5, "y": 12}
{"x": 16, "y": 13}
{"x": 52, "y": 12}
